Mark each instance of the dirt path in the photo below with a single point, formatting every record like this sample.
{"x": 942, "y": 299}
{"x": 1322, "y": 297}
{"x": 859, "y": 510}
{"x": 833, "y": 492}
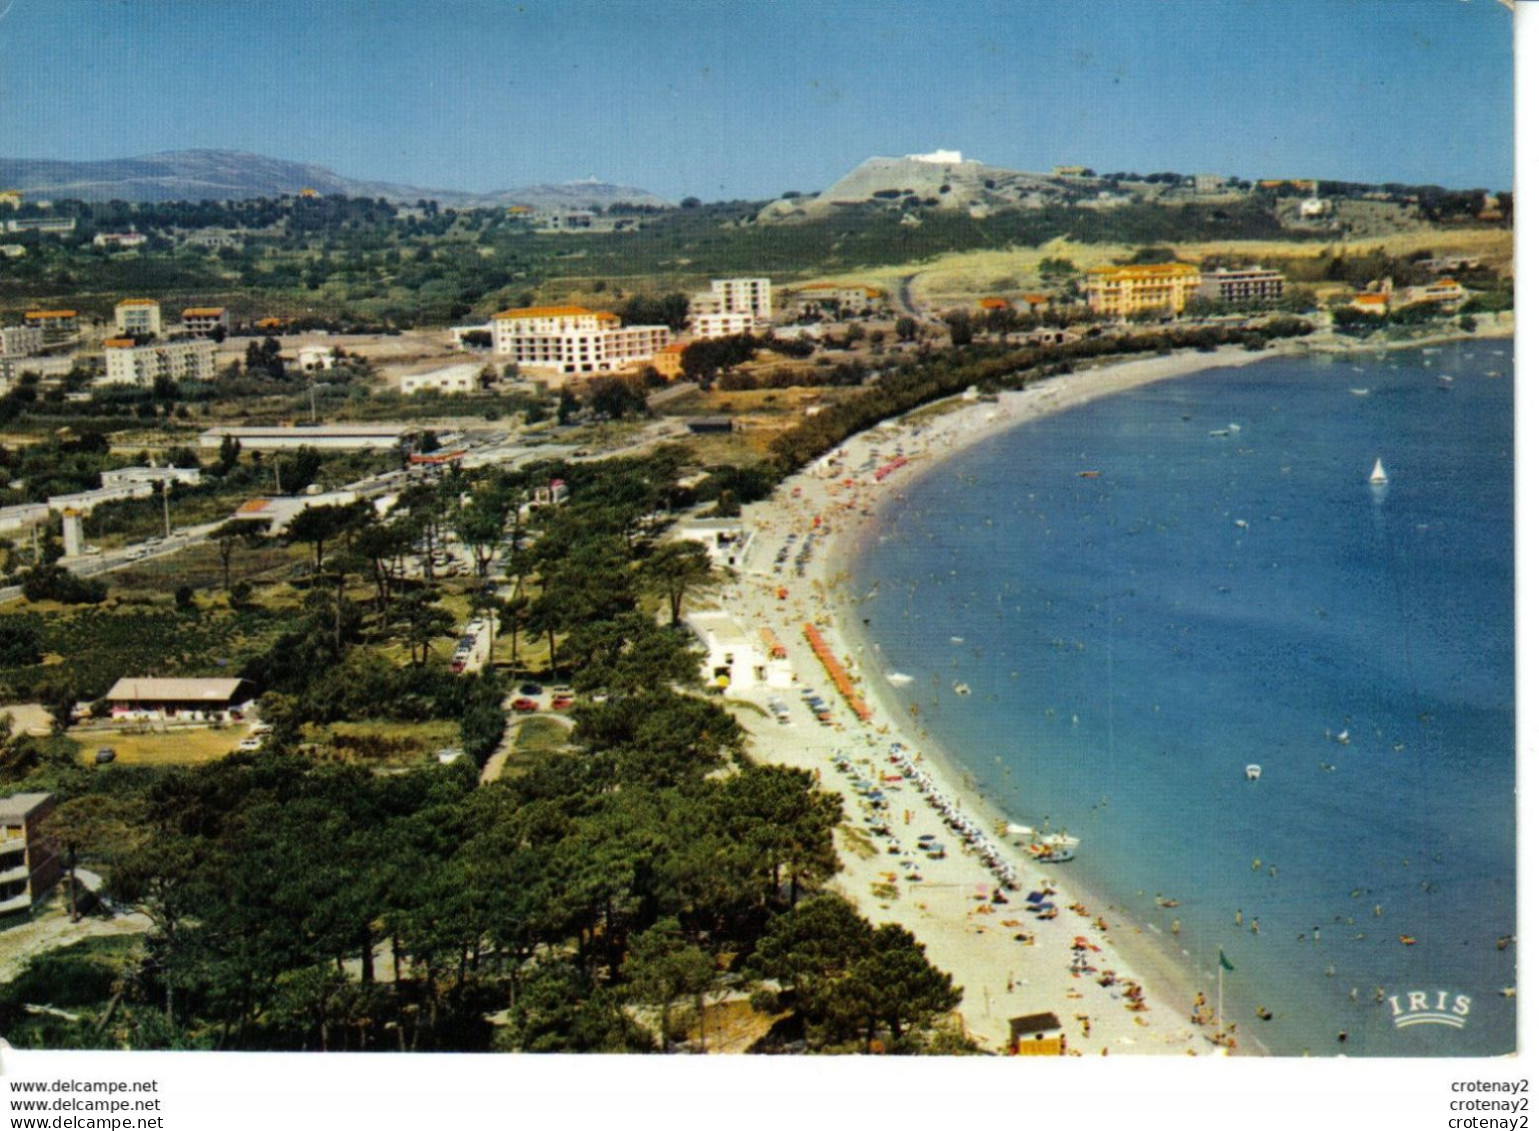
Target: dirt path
{"x": 51, "y": 929}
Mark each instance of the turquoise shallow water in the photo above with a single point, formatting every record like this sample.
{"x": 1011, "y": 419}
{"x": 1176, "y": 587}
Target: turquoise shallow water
{"x": 1132, "y": 640}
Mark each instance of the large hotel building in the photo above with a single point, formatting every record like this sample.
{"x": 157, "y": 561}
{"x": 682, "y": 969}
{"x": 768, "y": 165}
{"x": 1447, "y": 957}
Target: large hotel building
{"x": 1161, "y": 288}
{"x": 573, "y": 339}
{"x": 1245, "y": 285}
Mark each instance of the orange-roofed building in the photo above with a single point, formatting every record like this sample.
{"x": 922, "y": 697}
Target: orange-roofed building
{"x": 56, "y": 325}
{"x": 993, "y": 303}
{"x": 1371, "y": 302}
{"x": 573, "y": 340}
{"x": 1449, "y": 293}
{"x": 1159, "y": 288}
{"x": 669, "y": 361}
{"x": 1035, "y": 301}
{"x": 204, "y": 320}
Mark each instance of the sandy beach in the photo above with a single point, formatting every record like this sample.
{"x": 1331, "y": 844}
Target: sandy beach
{"x": 1091, "y": 965}
{"x": 1113, "y": 985}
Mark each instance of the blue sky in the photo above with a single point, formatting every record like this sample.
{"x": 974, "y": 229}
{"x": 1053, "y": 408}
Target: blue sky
{"x": 734, "y": 99}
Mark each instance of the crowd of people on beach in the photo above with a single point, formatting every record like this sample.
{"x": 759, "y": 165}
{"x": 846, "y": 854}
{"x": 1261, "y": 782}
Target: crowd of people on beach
{"x": 956, "y": 819}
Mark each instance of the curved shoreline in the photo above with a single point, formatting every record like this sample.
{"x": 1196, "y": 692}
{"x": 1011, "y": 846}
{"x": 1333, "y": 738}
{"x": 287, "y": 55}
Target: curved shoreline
{"x": 831, "y": 508}
{"x": 1006, "y": 961}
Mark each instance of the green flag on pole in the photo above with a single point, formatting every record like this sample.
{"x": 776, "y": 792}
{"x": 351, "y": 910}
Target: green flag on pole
{"x": 1224, "y": 962}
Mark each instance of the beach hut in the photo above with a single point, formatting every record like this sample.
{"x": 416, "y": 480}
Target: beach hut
{"x": 1036, "y": 1034}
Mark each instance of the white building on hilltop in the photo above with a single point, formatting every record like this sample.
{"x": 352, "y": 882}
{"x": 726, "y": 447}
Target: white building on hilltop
{"x": 573, "y": 340}
{"x": 939, "y": 157}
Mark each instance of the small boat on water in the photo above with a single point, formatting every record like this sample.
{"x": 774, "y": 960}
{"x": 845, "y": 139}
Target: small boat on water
{"x": 1090, "y": 475}
{"x": 962, "y": 689}
{"x": 1378, "y": 477}
{"x": 1044, "y": 853}
{"x": 1044, "y": 848}
{"x": 1359, "y": 392}
{"x": 1253, "y": 772}
{"x": 1219, "y": 432}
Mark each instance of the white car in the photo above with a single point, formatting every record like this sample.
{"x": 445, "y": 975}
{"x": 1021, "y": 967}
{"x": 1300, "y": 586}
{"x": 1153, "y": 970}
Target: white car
{"x": 254, "y": 742}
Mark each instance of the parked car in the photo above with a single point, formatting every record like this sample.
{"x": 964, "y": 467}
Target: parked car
{"x": 104, "y": 755}
{"x": 561, "y": 702}
{"x": 525, "y": 706}
{"x": 530, "y": 689}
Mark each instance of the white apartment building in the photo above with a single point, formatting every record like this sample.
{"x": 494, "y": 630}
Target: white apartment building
{"x": 137, "y": 316}
{"x": 731, "y": 306}
{"x": 20, "y": 341}
{"x": 743, "y": 296}
{"x": 203, "y": 320}
{"x": 1242, "y": 285}
{"x": 129, "y": 364}
{"x": 573, "y": 340}
{"x": 722, "y": 325}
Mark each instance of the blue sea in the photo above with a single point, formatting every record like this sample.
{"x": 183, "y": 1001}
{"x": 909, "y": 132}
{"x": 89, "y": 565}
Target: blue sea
{"x": 1229, "y": 589}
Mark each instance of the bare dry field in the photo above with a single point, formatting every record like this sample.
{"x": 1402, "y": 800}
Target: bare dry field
{"x": 185, "y": 746}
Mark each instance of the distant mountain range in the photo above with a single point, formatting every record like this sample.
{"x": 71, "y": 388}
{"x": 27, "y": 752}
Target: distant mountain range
{"x": 223, "y": 174}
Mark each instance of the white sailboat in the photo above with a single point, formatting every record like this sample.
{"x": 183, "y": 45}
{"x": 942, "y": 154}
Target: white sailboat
{"x": 1378, "y": 477}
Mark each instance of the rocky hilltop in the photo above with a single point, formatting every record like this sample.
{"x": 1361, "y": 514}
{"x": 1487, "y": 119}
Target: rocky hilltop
{"x": 934, "y": 180}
